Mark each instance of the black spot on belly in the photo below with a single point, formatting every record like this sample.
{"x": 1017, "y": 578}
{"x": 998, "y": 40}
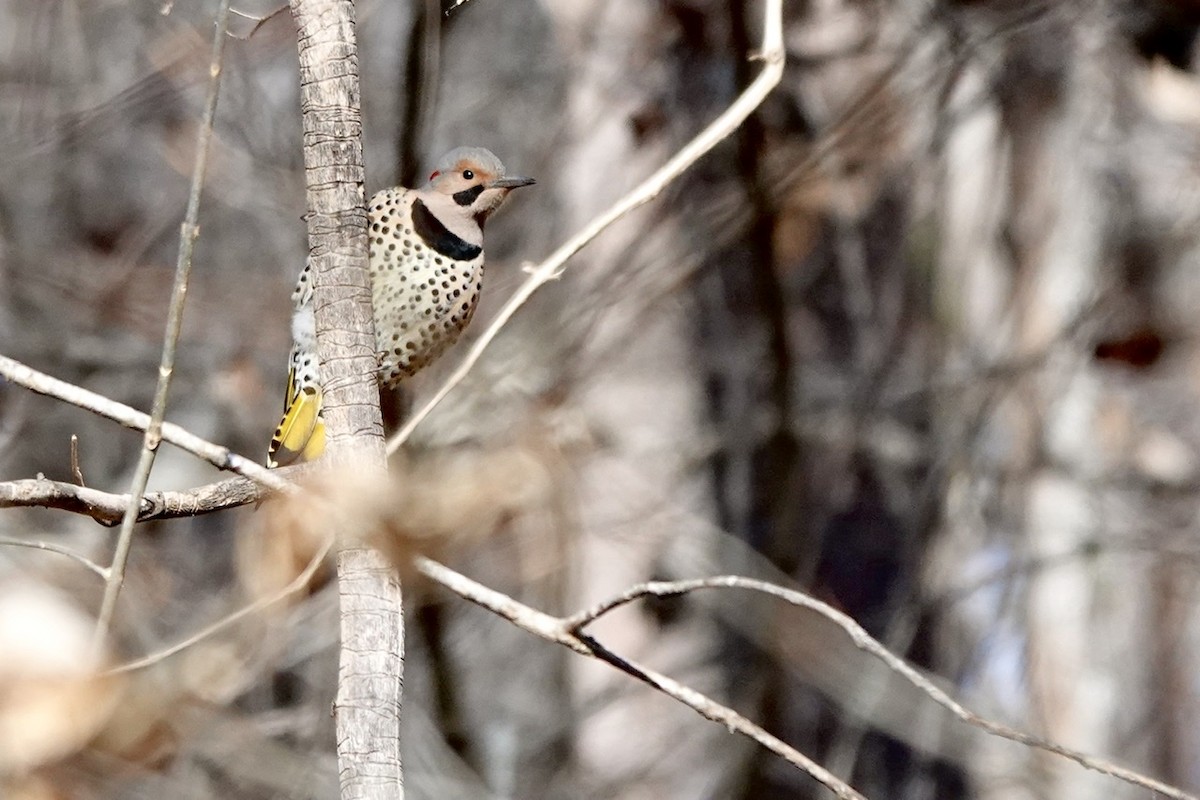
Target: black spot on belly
{"x": 435, "y": 234}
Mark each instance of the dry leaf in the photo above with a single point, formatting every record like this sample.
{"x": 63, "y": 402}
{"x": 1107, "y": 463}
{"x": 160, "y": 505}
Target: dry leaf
{"x": 53, "y": 696}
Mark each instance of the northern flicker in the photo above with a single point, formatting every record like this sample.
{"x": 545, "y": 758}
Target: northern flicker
{"x": 426, "y": 262}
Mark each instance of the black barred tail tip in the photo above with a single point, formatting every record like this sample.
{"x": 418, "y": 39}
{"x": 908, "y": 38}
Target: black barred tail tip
{"x": 301, "y": 433}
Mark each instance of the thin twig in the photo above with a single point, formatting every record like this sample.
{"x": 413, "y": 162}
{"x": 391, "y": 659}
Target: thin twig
{"x": 865, "y": 642}
{"x": 220, "y": 457}
{"x": 62, "y": 551}
{"x": 550, "y": 269}
{"x": 258, "y": 21}
{"x": 561, "y": 631}
{"x": 11, "y": 421}
{"x": 454, "y": 7}
{"x": 166, "y": 369}
{"x": 76, "y": 472}
{"x": 299, "y": 583}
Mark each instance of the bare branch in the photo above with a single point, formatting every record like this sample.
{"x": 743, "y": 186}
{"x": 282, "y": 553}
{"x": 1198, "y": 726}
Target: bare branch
{"x": 166, "y": 368}
{"x": 865, "y": 642}
{"x": 108, "y": 509}
{"x": 773, "y": 59}
{"x": 258, "y": 21}
{"x": 217, "y": 455}
{"x": 298, "y": 584}
{"x": 454, "y": 7}
{"x": 562, "y": 631}
{"x": 62, "y": 551}
{"x": 76, "y": 472}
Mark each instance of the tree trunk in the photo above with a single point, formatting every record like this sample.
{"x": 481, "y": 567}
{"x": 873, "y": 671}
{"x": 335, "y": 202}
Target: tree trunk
{"x": 370, "y": 674}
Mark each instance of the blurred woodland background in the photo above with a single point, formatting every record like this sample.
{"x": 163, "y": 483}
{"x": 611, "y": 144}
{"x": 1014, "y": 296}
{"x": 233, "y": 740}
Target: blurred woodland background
{"x": 920, "y": 338}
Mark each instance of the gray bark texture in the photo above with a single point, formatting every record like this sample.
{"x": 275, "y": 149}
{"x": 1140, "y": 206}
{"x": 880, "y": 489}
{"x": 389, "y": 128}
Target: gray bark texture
{"x": 371, "y": 665}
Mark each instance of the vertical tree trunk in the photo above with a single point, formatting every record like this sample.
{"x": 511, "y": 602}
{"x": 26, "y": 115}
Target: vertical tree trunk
{"x": 367, "y": 707}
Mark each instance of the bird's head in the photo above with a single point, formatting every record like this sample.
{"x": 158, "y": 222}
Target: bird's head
{"x": 473, "y": 179}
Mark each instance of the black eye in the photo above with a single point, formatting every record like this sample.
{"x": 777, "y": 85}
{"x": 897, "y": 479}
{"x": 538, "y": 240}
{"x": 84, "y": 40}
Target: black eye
{"x": 468, "y": 174}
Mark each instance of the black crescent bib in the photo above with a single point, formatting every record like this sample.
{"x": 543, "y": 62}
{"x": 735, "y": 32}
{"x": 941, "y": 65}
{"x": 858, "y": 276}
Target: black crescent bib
{"x": 441, "y": 240}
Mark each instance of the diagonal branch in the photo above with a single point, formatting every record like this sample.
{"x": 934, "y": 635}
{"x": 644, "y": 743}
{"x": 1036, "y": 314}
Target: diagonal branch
{"x": 295, "y": 586}
{"x": 166, "y": 368}
{"x": 562, "y": 630}
{"x": 49, "y": 547}
{"x": 219, "y": 456}
{"x": 772, "y": 56}
{"x": 864, "y": 641}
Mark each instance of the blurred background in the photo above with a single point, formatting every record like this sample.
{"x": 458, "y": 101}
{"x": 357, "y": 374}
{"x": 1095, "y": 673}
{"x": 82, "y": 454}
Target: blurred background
{"x": 920, "y": 338}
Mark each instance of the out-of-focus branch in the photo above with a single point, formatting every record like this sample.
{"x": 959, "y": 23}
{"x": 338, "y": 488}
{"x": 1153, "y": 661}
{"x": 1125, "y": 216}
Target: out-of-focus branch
{"x": 865, "y": 642}
{"x": 221, "y": 457}
{"x": 189, "y": 231}
{"x": 296, "y": 585}
{"x": 565, "y": 631}
{"x": 48, "y": 547}
{"x": 772, "y": 55}
{"x": 419, "y": 87}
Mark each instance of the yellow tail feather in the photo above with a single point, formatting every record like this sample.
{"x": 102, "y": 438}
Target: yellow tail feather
{"x": 301, "y": 433}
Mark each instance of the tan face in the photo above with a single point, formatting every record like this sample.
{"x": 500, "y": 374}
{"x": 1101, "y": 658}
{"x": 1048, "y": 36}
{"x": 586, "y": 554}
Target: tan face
{"x": 476, "y": 187}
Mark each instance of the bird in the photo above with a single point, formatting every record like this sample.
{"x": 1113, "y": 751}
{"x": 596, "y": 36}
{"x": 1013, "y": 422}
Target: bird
{"x": 426, "y": 266}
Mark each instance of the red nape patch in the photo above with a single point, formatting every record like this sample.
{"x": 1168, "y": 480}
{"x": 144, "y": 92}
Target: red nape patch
{"x": 435, "y": 174}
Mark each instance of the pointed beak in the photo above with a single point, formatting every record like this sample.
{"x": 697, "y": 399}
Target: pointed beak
{"x": 511, "y": 183}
